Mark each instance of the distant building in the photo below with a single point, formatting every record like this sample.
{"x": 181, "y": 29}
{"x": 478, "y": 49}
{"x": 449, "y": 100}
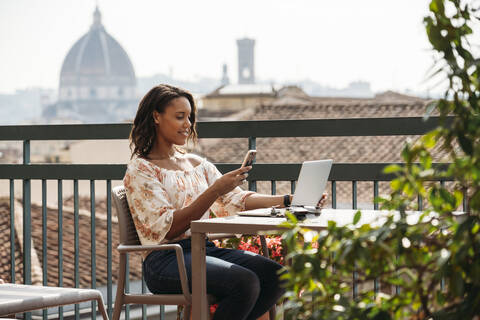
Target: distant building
{"x": 246, "y": 61}
{"x": 25, "y": 105}
{"x": 225, "y": 80}
{"x": 239, "y": 96}
{"x": 97, "y": 80}
{"x": 356, "y": 89}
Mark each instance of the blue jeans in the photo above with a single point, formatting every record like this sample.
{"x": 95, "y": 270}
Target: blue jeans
{"x": 245, "y": 284}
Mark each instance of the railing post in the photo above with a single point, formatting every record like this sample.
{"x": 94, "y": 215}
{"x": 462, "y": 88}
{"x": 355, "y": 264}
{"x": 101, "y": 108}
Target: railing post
{"x": 355, "y": 274}
{"x": 92, "y": 245}
{"x": 44, "y": 241}
{"x": 12, "y": 230}
{"x": 76, "y": 242}
{"x": 252, "y": 144}
{"x": 354, "y": 194}
{"x": 109, "y": 248}
{"x": 334, "y": 195}
{"x": 27, "y": 224}
{"x": 60, "y": 240}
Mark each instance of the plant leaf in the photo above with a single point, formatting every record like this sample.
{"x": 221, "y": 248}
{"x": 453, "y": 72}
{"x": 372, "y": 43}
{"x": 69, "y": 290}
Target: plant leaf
{"x": 357, "y": 217}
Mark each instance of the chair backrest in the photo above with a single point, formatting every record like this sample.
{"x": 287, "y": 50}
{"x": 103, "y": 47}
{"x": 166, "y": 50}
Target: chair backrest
{"x": 128, "y": 233}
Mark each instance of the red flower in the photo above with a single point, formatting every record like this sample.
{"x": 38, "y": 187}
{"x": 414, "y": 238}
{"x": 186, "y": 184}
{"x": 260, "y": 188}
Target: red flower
{"x": 253, "y": 244}
{"x": 213, "y": 308}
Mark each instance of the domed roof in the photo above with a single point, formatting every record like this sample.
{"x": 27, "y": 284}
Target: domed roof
{"x": 97, "y": 57}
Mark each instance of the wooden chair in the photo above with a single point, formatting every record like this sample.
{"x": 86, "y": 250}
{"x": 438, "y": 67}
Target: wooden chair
{"x": 129, "y": 242}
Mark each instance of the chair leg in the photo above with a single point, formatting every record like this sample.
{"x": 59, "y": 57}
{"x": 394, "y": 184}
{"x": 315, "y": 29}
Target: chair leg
{"x": 101, "y": 307}
{"x": 117, "y": 310}
{"x": 272, "y": 313}
{"x": 263, "y": 242}
{"x": 187, "y": 311}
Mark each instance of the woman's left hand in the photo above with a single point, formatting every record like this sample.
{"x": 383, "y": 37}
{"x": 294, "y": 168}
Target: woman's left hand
{"x": 323, "y": 200}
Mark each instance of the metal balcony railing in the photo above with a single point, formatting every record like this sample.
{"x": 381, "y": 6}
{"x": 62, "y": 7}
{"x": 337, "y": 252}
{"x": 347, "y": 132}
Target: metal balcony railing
{"x": 250, "y": 130}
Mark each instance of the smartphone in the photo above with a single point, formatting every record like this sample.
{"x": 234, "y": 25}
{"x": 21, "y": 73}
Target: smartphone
{"x": 249, "y": 158}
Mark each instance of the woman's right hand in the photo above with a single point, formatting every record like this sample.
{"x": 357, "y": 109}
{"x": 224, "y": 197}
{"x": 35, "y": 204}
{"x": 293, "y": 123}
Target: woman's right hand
{"x": 231, "y": 180}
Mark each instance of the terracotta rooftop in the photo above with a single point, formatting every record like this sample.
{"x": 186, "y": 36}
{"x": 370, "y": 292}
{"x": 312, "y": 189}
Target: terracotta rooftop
{"x": 68, "y": 247}
{"x": 370, "y": 149}
{"x": 5, "y": 258}
{"x": 244, "y": 89}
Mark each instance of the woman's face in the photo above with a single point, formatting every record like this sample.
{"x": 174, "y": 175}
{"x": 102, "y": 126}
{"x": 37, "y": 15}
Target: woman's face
{"x": 173, "y": 125}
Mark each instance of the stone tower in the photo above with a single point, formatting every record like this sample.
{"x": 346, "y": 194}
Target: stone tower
{"x": 225, "y": 79}
{"x": 246, "y": 61}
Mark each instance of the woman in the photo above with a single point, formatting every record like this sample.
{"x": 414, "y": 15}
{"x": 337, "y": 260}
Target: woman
{"x": 167, "y": 189}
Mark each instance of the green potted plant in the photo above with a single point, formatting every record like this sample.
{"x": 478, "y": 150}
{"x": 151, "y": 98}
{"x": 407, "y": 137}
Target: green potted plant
{"x": 429, "y": 269}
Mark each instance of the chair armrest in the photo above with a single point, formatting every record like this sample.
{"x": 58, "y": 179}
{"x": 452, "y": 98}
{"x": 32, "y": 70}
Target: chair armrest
{"x": 178, "y": 253}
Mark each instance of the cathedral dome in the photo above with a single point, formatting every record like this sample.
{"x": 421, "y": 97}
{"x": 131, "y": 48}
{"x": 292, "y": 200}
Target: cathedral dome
{"x": 97, "y": 80}
{"x": 97, "y": 59}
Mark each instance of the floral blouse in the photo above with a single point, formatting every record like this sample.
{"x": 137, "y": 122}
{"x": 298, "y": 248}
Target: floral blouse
{"x": 155, "y": 193}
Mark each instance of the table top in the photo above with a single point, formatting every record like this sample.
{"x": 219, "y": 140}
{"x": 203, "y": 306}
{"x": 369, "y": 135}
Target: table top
{"x": 253, "y": 225}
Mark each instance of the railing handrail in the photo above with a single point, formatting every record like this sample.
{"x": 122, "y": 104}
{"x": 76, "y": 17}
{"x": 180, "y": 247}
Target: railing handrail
{"x": 235, "y": 129}
{"x": 260, "y": 171}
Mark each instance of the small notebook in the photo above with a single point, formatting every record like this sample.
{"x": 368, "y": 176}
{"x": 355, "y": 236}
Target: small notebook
{"x": 263, "y": 212}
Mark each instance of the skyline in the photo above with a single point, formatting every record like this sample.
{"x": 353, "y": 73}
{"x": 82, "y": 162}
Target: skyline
{"x": 377, "y": 41}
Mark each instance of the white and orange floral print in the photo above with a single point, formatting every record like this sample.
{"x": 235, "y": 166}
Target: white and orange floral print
{"x": 154, "y": 194}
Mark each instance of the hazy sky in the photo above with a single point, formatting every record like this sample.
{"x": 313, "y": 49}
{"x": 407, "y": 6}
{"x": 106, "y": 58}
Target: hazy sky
{"x": 331, "y": 42}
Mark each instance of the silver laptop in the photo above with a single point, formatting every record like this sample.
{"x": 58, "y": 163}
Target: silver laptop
{"x": 311, "y": 184}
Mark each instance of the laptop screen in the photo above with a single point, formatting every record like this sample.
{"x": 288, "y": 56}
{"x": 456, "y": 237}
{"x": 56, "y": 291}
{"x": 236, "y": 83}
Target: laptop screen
{"x": 311, "y": 182}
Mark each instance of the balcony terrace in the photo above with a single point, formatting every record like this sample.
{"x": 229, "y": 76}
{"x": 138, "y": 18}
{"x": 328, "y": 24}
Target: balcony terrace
{"x": 73, "y": 243}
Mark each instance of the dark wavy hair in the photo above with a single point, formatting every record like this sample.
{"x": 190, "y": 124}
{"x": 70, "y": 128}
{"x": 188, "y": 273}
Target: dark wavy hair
{"x": 143, "y": 134}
